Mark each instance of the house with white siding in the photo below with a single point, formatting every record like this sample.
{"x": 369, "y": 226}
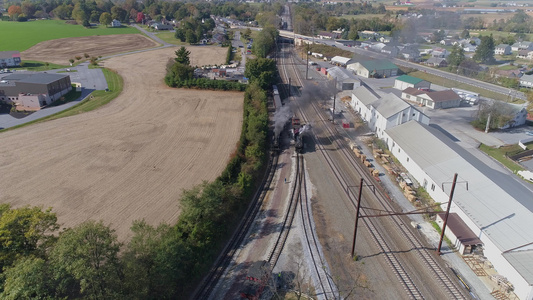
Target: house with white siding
{"x": 9, "y": 59}
{"x": 383, "y": 110}
{"x": 495, "y": 207}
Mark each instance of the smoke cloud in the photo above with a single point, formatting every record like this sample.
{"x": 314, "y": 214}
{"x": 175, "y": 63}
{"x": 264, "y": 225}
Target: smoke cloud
{"x": 281, "y": 117}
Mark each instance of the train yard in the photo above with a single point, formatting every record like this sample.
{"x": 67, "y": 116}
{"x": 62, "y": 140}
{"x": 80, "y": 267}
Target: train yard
{"x": 415, "y": 274}
{"x": 282, "y": 214}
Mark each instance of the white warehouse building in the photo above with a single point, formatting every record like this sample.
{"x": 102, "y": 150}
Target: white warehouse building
{"x": 497, "y": 209}
{"x": 383, "y": 110}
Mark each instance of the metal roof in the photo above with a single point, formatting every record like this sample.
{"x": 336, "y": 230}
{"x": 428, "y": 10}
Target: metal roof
{"x": 459, "y": 228}
{"x": 528, "y": 78}
{"x": 498, "y": 205}
{"x": 409, "y": 79}
{"x": 340, "y": 59}
{"x": 37, "y": 78}
{"x": 378, "y": 64}
{"x": 389, "y": 105}
{"x": 340, "y": 73}
{"x": 9, "y": 54}
{"x": 365, "y": 94}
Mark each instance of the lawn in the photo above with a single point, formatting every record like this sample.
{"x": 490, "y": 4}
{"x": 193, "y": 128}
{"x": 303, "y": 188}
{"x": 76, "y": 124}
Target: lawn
{"x": 168, "y": 37}
{"x": 94, "y": 101}
{"x": 32, "y": 65}
{"x": 23, "y": 35}
{"x": 500, "y": 153}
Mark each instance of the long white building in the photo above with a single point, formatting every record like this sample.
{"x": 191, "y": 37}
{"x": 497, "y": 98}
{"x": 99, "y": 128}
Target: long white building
{"x": 496, "y": 208}
{"x": 383, "y": 110}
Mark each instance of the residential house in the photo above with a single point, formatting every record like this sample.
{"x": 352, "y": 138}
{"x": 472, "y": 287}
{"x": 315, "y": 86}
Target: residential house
{"x": 383, "y": 110}
{"x": 340, "y": 61}
{"x": 518, "y": 113}
{"x": 440, "y": 52}
{"x": 374, "y": 68}
{"x": 502, "y": 49}
{"x": 159, "y": 26}
{"x": 526, "y": 81}
{"x": 495, "y": 207}
{"x": 475, "y": 40}
{"x": 437, "y": 62}
{"x": 406, "y": 81}
{"x": 345, "y": 80}
{"x": 328, "y": 35}
{"x": 115, "y": 23}
{"x": 522, "y": 53}
{"x": 367, "y": 34}
{"x": 385, "y": 39}
{"x": 469, "y": 48}
{"x": 435, "y": 100}
{"x": 32, "y": 91}
{"x": 524, "y": 45}
{"x": 410, "y": 52}
{"x": 530, "y": 55}
{"x": 9, "y": 59}
{"x": 446, "y": 42}
{"x": 391, "y": 51}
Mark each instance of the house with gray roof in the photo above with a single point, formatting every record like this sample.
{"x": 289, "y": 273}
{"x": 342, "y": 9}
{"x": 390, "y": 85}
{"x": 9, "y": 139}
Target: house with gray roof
{"x": 374, "y": 68}
{"x": 526, "y": 81}
{"x": 383, "y": 110}
{"x": 497, "y": 208}
{"x": 33, "y": 91}
{"x": 502, "y": 49}
{"x": 524, "y": 45}
{"x": 437, "y": 62}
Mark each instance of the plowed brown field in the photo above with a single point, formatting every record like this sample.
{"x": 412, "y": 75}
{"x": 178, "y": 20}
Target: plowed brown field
{"x": 130, "y": 159}
{"x": 61, "y": 50}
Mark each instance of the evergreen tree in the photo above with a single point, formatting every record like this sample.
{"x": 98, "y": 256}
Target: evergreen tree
{"x": 456, "y": 57}
{"x": 182, "y": 56}
{"x": 485, "y": 51}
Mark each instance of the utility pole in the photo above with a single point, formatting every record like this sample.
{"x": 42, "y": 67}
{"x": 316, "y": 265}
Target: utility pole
{"x": 357, "y": 216}
{"x": 447, "y": 213}
{"x": 307, "y": 64}
{"x": 289, "y": 87}
{"x": 334, "y": 98}
{"x": 488, "y": 123}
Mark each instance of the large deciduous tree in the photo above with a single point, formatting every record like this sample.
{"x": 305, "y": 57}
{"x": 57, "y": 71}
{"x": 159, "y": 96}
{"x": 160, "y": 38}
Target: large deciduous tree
{"x": 14, "y": 11}
{"x": 485, "y": 50}
{"x": 25, "y": 231}
{"x": 28, "y": 278}
{"x": 262, "y": 71}
{"x": 85, "y": 262}
{"x": 105, "y": 18}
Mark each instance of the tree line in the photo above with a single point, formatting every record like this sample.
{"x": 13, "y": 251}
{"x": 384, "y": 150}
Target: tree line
{"x": 85, "y": 11}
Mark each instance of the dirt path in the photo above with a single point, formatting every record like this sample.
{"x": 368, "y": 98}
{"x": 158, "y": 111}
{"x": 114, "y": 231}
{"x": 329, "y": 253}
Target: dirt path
{"x": 130, "y": 159}
{"x": 61, "y": 50}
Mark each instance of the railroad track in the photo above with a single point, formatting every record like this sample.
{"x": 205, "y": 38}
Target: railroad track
{"x": 450, "y": 286}
{"x": 204, "y": 290}
{"x": 325, "y": 287}
{"x": 276, "y": 250}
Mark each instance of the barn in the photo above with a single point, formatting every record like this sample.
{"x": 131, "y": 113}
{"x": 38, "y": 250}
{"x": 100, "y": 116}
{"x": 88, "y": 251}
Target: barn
{"x": 406, "y": 81}
{"x": 374, "y": 68}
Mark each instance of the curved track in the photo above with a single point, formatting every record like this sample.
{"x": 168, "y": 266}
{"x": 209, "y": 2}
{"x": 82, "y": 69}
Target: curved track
{"x": 203, "y": 291}
{"x": 450, "y": 287}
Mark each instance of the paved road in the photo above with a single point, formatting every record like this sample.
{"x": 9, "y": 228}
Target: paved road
{"x": 450, "y": 76}
{"x": 152, "y": 35}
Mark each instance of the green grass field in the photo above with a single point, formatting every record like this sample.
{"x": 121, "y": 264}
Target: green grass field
{"x": 168, "y": 37}
{"x": 23, "y": 35}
